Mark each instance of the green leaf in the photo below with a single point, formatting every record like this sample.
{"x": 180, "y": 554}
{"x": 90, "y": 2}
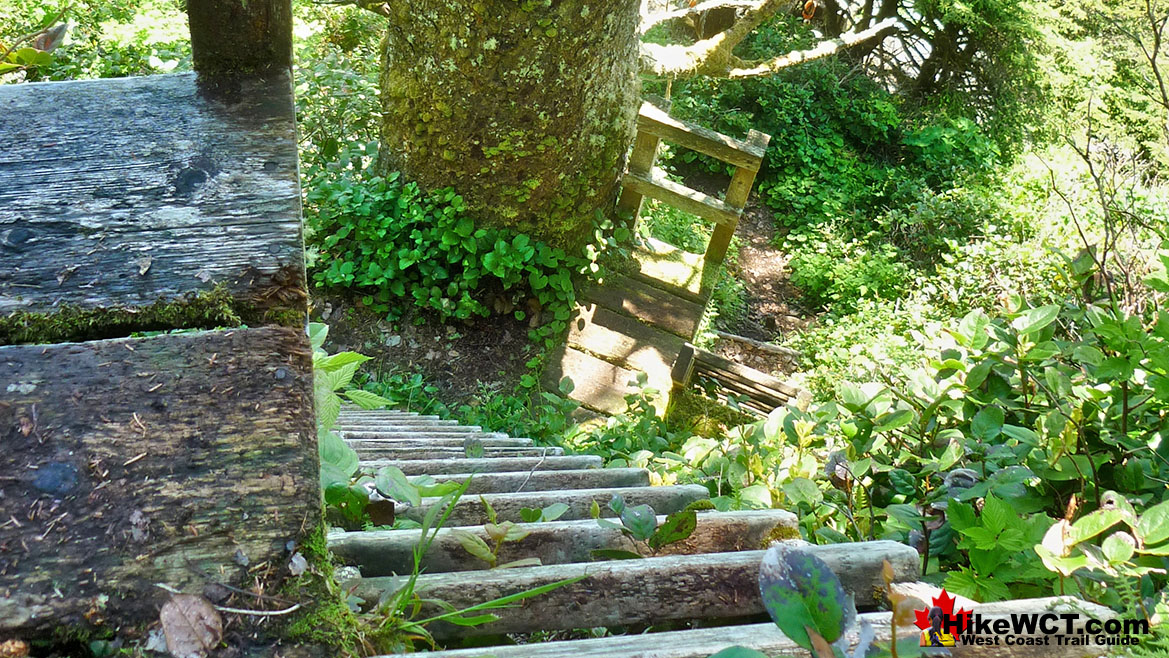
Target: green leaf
{"x": 677, "y": 527}
{"x": 614, "y": 554}
{"x": 1093, "y": 524}
{"x": 317, "y": 333}
{"x": 392, "y": 483}
{"x": 335, "y": 452}
{"x": 1118, "y": 547}
{"x": 800, "y": 591}
{"x": 1035, "y": 319}
{"x": 987, "y": 423}
{"x": 530, "y": 514}
{"x": 617, "y": 504}
{"x": 1153, "y": 526}
{"x": 474, "y": 545}
{"x": 367, "y": 400}
{"x": 516, "y": 564}
{"x": 553, "y": 511}
{"x": 334, "y": 362}
{"x": 595, "y": 510}
{"x": 894, "y": 420}
{"x": 641, "y": 521}
{"x": 803, "y": 490}
{"x": 972, "y": 329}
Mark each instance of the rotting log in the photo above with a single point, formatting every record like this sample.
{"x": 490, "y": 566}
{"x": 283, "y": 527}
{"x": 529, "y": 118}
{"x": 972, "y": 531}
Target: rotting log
{"x": 160, "y": 202}
{"x": 653, "y": 590}
{"x": 470, "y": 510}
{"x": 131, "y": 462}
{"x": 768, "y": 639}
{"x": 391, "y": 552}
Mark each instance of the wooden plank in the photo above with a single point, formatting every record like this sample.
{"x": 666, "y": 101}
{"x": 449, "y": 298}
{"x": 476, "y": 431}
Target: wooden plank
{"x": 656, "y": 185}
{"x": 376, "y": 431}
{"x": 422, "y": 441}
{"x": 597, "y": 384}
{"x": 514, "y": 481}
{"x": 736, "y": 152}
{"x": 707, "y": 360}
{"x": 414, "y": 453}
{"x": 233, "y": 36}
{"x": 486, "y": 464}
{"x": 391, "y": 552}
{"x": 122, "y": 192}
{"x": 649, "y": 591}
{"x": 625, "y": 341}
{"x": 470, "y": 510}
{"x": 131, "y": 462}
{"x": 641, "y": 160}
{"x": 670, "y": 269}
{"x": 768, "y": 639}
{"x": 650, "y": 305}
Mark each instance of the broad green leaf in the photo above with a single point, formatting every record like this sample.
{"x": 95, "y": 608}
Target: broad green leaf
{"x": 595, "y": 510}
{"x": 1153, "y": 526}
{"x": 972, "y": 329}
{"x": 617, "y": 504}
{"x": 1118, "y": 547}
{"x": 553, "y": 511}
{"x": 803, "y": 490}
{"x": 987, "y": 423}
{"x": 799, "y": 591}
{"x": 756, "y": 496}
{"x": 335, "y": 452}
{"x": 342, "y": 359}
{"x": 1093, "y": 524}
{"x": 474, "y": 545}
{"x": 1035, "y": 319}
{"x": 641, "y": 521}
{"x": 392, "y": 483}
{"x": 677, "y": 527}
{"x": 317, "y": 333}
{"x": 367, "y": 400}
{"x": 894, "y": 420}
{"x": 530, "y": 514}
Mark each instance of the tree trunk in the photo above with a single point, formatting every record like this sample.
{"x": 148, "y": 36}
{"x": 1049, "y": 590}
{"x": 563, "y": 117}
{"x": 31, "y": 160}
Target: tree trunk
{"x": 525, "y": 108}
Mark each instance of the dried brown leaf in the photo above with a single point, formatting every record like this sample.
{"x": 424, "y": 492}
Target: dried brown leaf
{"x": 191, "y": 624}
{"x": 13, "y": 649}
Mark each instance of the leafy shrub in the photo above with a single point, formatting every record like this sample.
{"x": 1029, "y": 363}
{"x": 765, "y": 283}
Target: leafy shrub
{"x": 391, "y": 242}
{"x": 830, "y": 270}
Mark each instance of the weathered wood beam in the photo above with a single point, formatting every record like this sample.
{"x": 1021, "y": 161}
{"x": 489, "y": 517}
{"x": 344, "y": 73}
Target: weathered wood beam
{"x": 747, "y": 154}
{"x": 469, "y": 510}
{"x": 240, "y": 36}
{"x": 657, "y": 307}
{"x": 389, "y": 451}
{"x": 132, "y": 462}
{"x": 656, "y": 185}
{"x": 653, "y": 590}
{"x": 516, "y": 481}
{"x": 421, "y": 440}
{"x": 158, "y": 202}
{"x": 486, "y": 464}
{"x": 390, "y": 552}
{"x": 768, "y": 639}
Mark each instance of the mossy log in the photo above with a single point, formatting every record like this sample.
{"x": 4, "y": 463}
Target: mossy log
{"x": 132, "y": 462}
{"x": 542, "y": 146}
{"x": 148, "y": 203}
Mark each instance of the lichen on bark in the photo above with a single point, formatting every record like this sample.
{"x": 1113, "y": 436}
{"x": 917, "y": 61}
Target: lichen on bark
{"x": 525, "y": 107}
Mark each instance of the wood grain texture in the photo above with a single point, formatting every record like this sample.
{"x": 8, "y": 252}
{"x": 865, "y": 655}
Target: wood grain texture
{"x": 234, "y": 36}
{"x": 120, "y": 192}
{"x": 651, "y": 305}
{"x": 486, "y": 464}
{"x": 469, "y": 510}
{"x": 768, "y": 639}
{"x": 747, "y": 153}
{"x": 390, "y": 552}
{"x": 516, "y": 481}
{"x": 132, "y": 462}
{"x": 625, "y": 341}
{"x": 656, "y": 185}
{"x": 598, "y": 385}
{"x": 624, "y": 592}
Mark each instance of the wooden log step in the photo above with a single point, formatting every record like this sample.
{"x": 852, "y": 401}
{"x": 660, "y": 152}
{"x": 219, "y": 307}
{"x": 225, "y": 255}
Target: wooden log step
{"x": 122, "y": 192}
{"x": 413, "y": 426}
{"x": 745, "y": 153}
{"x": 649, "y": 591}
{"x": 768, "y": 639}
{"x": 598, "y": 385}
{"x": 657, "y": 185}
{"x": 437, "y": 432}
{"x": 427, "y": 442}
{"x": 650, "y": 305}
{"x": 469, "y": 510}
{"x": 515, "y": 481}
{"x": 390, "y": 552}
{"x": 354, "y": 413}
{"x": 627, "y": 342}
{"x": 391, "y": 452}
{"x": 442, "y": 466}
{"x": 666, "y": 267}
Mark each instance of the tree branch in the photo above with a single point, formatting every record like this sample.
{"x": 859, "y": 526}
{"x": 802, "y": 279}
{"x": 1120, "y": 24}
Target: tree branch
{"x": 713, "y": 56}
{"x": 822, "y": 49}
{"x": 654, "y": 20}
{"x": 379, "y": 7}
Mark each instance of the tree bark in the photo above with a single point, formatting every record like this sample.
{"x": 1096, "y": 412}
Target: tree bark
{"x": 525, "y": 108}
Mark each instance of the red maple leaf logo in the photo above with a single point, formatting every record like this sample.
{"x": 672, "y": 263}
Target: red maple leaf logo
{"x": 946, "y": 603}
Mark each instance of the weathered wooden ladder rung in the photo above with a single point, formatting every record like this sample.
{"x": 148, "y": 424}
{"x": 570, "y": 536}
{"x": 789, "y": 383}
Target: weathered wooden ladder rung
{"x": 643, "y": 179}
{"x": 761, "y": 391}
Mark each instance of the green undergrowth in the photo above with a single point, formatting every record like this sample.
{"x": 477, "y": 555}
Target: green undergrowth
{"x": 204, "y": 310}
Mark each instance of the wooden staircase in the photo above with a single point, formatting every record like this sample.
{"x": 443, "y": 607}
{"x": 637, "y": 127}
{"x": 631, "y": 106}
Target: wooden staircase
{"x": 695, "y": 597}
{"x": 638, "y": 321}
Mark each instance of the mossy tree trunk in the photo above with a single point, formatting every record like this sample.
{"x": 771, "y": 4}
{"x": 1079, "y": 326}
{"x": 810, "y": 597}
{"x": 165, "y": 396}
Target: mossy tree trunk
{"x": 525, "y": 107}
